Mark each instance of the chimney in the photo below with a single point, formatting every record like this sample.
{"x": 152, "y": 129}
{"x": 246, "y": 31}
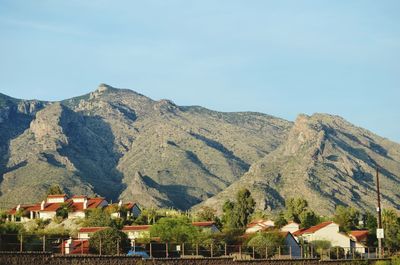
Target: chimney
{"x": 120, "y": 204}
{"x": 85, "y": 202}
{"x": 42, "y": 206}
{"x": 18, "y": 207}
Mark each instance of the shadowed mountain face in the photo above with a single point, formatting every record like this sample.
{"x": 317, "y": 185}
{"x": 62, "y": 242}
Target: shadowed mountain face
{"x": 122, "y": 145}
{"x": 119, "y": 144}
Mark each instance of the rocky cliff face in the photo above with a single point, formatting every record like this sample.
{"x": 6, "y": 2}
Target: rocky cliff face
{"x": 122, "y": 145}
{"x": 327, "y": 161}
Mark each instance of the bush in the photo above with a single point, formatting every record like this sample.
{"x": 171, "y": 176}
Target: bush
{"x": 110, "y": 240}
{"x": 262, "y": 241}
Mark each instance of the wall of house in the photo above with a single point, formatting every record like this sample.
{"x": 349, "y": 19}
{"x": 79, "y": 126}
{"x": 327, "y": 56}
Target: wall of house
{"x": 136, "y": 211}
{"x": 78, "y": 214}
{"x": 292, "y": 227}
{"x": 83, "y": 235}
{"x": 331, "y": 233}
{"x": 294, "y": 246}
{"x": 56, "y": 200}
{"x": 47, "y": 215}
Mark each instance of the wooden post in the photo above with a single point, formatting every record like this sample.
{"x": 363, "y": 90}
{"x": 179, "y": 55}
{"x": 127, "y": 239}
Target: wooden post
{"x": 81, "y": 246}
{"x": 20, "y": 244}
{"x": 240, "y": 251}
{"x": 197, "y": 249}
{"x": 353, "y": 254}
{"x": 118, "y": 247}
{"x": 312, "y": 252}
{"x": 166, "y": 250}
{"x": 62, "y": 247}
{"x": 100, "y": 247}
{"x": 279, "y": 252}
{"x": 368, "y": 252}
{"x": 226, "y": 252}
{"x": 44, "y": 243}
{"x": 212, "y": 251}
{"x": 337, "y": 253}
{"x": 266, "y": 252}
{"x": 254, "y": 253}
{"x": 301, "y": 252}
{"x": 183, "y": 249}
{"x": 151, "y": 251}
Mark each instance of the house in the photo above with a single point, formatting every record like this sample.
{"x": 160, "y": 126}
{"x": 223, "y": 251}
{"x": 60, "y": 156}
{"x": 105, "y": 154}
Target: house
{"x": 80, "y": 204}
{"x": 48, "y": 208}
{"x": 259, "y": 225}
{"x": 86, "y": 232}
{"x": 132, "y": 210}
{"x": 137, "y": 232}
{"x": 360, "y": 238}
{"x": 72, "y": 246}
{"x": 206, "y": 226}
{"x": 328, "y": 231}
{"x": 291, "y": 227}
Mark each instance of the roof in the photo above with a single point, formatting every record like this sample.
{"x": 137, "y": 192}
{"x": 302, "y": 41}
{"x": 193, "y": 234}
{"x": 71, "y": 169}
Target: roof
{"x": 204, "y": 223}
{"x": 91, "y": 229}
{"x": 91, "y": 204}
{"x": 56, "y": 195}
{"x": 312, "y": 229}
{"x": 359, "y": 235}
{"x": 136, "y": 227}
{"x": 51, "y": 207}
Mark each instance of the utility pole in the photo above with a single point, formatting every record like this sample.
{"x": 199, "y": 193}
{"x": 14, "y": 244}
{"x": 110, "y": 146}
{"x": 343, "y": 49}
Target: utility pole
{"x": 379, "y": 231}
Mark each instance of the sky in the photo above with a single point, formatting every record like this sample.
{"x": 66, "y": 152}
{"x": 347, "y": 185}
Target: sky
{"x": 277, "y": 57}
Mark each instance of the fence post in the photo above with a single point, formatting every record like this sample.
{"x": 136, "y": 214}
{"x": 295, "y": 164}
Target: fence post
{"x": 353, "y": 253}
{"x": 279, "y": 252}
{"x": 20, "y": 244}
{"x": 240, "y": 251}
{"x": 118, "y": 247}
{"x": 266, "y": 252}
{"x": 211, "y": 250}
{"x": 183, "y": 249}
{"x": 226, "y": 252}
{"x": 151, "y": 251}
{"x": 321, "y": 254}
{"x": 81, "y": 246}
{"x": 44, "y": 243}
{"x": 290, "y": 252}
{"x": 166, "y": 250}
{"x": 100, "y": 247}
{"x": 254, "y": 254}
{"x": 197, "y": 249}
{"x": 312, "y": 251}
{"x": 368, "y": 252}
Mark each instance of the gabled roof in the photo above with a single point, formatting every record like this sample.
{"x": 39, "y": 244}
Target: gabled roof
{"x": 359, "y": 235}
{"x": 91, "y": 229}
{"x": 312, "y": 229}
{"x": 136, "y": 227}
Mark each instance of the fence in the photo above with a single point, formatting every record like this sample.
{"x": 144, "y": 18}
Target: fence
{"x": 67, "y": 246}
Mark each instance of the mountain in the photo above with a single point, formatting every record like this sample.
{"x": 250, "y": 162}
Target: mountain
{"x": 327, "y": 161}
{"x": 120, "y": 144}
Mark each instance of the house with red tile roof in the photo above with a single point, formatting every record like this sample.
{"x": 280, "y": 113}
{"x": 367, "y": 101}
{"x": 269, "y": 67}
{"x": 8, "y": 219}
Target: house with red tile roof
{"x": 206, "y": 226}
{"x": 48, "y": 208}
{"x": 137, "y": 232}
{"x": 329, "y": 231}
{"x": 259, "y": 225}
{"x": 128, "y": 210}
{"x": 86, "y": 232}
{"x": 290, "y": 227}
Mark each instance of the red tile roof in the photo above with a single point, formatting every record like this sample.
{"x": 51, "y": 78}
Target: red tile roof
{"x": 312, "y": 229}
{"x": 204, "y": 224}
{"x": 359, "y": 235}
{"x": 136, "y": 227}
{"x": 91, "y": 204}
{"x": 90, "y": 229}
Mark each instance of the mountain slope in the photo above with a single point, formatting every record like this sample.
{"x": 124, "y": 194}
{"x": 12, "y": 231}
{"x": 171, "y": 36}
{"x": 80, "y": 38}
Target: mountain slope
{"x": 120, "y": 144}
{"x": 327, "y": 161}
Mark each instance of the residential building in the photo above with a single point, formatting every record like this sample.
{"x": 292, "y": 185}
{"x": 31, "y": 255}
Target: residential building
{"x": 259, "y": 225}
{"x": 86, "y": 232}
{"x": 291, "y": 227}
{"x": 130, "y": 209}
{"x": 137, "y": 232}
{"x": 207, "y": 226}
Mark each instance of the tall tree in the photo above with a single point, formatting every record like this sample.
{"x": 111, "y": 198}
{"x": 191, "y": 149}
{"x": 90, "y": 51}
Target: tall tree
{"x": 54, "y": 190}
{"x": 244, "y": 207}
{"x": 294, "y": 208}
{"x": 346, "y": 217}
{"x": 391, "y": 226}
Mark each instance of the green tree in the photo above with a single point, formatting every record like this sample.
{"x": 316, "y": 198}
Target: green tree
{"x": 54, "y": 190}
{"x": 371, "y": 224}
{"x": 266, "y": 240}
{"x": 294, "y": 208}
{"x": 346, "y": 217}
{"x": 63, "y": 211}
{"x": 97, "y": 217}
{"x": 308, "y": 218}
{"x": 391, "y": 226}
{"x": 280, "y": 220}
{"x": 244, "y": 207}
{"x": 174, "y": 229}
{"x": 227, "y": 217}
{"x": 110, "y": 240}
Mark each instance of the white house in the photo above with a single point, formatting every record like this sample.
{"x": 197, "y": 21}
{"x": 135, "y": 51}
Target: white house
{"x": 80, "y": 204}
{"x": 259, "y": 225}
{"x": 132, "y": 210}
{"x": 136, "y": 232}
{"x": 291, "y": 227}
{"x": 328, "y": 231}
{"x": 292, "y": 244}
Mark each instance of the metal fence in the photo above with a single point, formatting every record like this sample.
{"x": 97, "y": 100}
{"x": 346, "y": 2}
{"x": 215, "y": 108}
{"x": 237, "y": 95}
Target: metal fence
{"x": 67, "y": 246}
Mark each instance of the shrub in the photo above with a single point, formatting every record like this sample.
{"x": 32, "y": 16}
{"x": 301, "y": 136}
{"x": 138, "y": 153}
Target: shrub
{"x": 110, "y": 240}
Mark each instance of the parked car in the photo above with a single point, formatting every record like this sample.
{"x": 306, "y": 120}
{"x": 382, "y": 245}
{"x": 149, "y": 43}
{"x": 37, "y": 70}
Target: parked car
{"x": 138, "y": 251}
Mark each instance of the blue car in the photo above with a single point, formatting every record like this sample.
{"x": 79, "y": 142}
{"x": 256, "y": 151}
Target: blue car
{"x": 138, "y": 251}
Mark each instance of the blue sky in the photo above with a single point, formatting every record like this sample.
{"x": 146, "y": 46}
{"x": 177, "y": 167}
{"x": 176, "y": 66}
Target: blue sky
{"x": 278, "y": 57}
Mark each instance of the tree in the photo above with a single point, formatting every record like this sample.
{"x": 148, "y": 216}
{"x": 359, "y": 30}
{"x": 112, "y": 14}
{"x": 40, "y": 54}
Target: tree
{"x": 63, "y": 211}
{"x": 371, "y": 224}
{"x": 227, "y": 218}
{"x": 308, "y": 218}
{"x": 280, "y": 220}
{"x": 174, "y": 229}
{"x": 391, "y": 226}
{"x": 54, "y": 190}
{"x": 206, "y": 214}
{"x": 97, "y": 217}
{"x": 346, "y": 217}
{"x": 294, "y": 208}
{"x": 110, "y": 240}
{"x": 266, "y": 240}
{"x": 244, "y": 207}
